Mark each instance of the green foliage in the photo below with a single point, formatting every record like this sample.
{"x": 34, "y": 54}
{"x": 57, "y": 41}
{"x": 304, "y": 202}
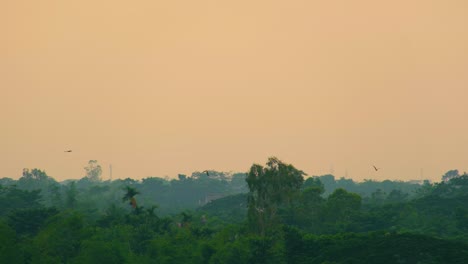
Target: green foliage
{"x": 341, "y": 202}
{"x": 12, "y": 198}
{"x": 27, "y": 222}
{"x": 366, "y": 188}
{"x": 71, "y": 195}
{"x": 314, "y": 182}
{"x": 113, "y": 215}
{"x": 310, "y": 209}
{"x": 341, "y": 209}
{"x": 375, "y": 247}
{"x": 231, "y": 209}
{"x": 100, "y": 252}
{"x": 34, "y": 179}
{"x": 60, "y": 240}
{"x": 9, "y": 251}
{"x": 297, "y": 221}
{"x": 396, "y": 196}
{"x": 269, "y": 188}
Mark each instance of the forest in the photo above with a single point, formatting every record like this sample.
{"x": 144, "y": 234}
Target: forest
{"x": 272, "y": 213}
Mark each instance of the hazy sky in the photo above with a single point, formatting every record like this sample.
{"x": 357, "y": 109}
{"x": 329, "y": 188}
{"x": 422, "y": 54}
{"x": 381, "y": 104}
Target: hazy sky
{"x": 159, "y": 88}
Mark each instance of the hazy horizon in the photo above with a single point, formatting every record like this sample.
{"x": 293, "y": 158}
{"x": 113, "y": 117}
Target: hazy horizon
{"x": 162, "y": 88}
{"x": 106, "y": 174}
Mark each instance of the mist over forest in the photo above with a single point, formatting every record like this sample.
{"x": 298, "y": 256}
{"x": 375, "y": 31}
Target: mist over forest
{"x": 375, "y": 91}
{"x": 273, "y": 213}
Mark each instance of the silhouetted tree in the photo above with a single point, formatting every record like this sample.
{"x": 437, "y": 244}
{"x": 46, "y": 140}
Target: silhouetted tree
{"x": 130, "y": 196}
{"x": 93, "y": 171}
{"x": 450, "y": 175}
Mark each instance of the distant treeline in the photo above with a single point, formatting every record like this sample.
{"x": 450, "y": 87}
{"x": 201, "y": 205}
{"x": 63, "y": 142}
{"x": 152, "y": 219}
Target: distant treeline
{"x": 271, "y": 214}
{"x": 183, "y": 193}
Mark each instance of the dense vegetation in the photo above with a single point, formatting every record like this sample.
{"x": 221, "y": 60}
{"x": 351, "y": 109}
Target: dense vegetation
{"x": 271, "y": 214}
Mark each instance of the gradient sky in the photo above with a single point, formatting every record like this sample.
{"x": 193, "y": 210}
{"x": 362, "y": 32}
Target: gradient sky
{"x": 158, "y": 88}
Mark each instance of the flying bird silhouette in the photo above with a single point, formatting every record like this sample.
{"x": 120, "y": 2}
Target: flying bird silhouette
{"x": 67, "y": 151}
{"x": 375, "y": 168}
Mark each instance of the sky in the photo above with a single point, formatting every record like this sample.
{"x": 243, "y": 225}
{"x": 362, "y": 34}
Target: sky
{"x": 158, "y": 88}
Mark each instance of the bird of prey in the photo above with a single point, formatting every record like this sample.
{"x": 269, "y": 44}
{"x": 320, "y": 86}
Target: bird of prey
{"x": 207, "y": 174}
{"x": 375, "y": 168}
{"x": 67, "y": 151}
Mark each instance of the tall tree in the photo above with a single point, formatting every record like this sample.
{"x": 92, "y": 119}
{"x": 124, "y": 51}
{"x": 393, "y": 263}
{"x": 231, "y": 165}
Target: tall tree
{"x": 269, "y": 188}
{"x": 93, "y": 170}
{"x": 35, "y": 174}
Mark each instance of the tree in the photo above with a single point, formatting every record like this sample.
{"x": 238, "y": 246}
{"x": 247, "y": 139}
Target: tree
{"x": 378, "y": 197}
{"x": 54, "y": 196}
{"x": 313, "y": 182}
{"x": 27, "y": 222}
{"x": 71, "y": 194}
{"x": 93, "y": 171}
{"x": 60, "y": 240}
{"x": 425, "y": 189}
{"x": 34, "y": 179}
{"x": 343, "y": 200}
{"x": 450, "y": 175}
{"x": 341, "y": 205}
{"x": 269, "y": 188}
{"x": 12, "y": 198}
{"x": 34, "y": 174}
{"x": 130, "y": 196}
{"x": 310, "y": 208}
{"x": 10, "y": 251}
{"x": 396, "y": 196}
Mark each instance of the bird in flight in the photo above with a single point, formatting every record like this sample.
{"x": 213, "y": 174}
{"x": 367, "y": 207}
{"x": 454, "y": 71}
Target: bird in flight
{"x": 375, "y": 168}
{"x": 207, "y": 174}
{"x": 67, "y": 151}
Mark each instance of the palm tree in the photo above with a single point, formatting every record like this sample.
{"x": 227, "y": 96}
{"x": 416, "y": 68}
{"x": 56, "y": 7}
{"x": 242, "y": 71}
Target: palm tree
{"x": 130, "y": 196}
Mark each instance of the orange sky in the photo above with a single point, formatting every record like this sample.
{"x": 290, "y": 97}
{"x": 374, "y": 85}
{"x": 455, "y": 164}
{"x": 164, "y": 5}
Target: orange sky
{"x": 157, "y": 88}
